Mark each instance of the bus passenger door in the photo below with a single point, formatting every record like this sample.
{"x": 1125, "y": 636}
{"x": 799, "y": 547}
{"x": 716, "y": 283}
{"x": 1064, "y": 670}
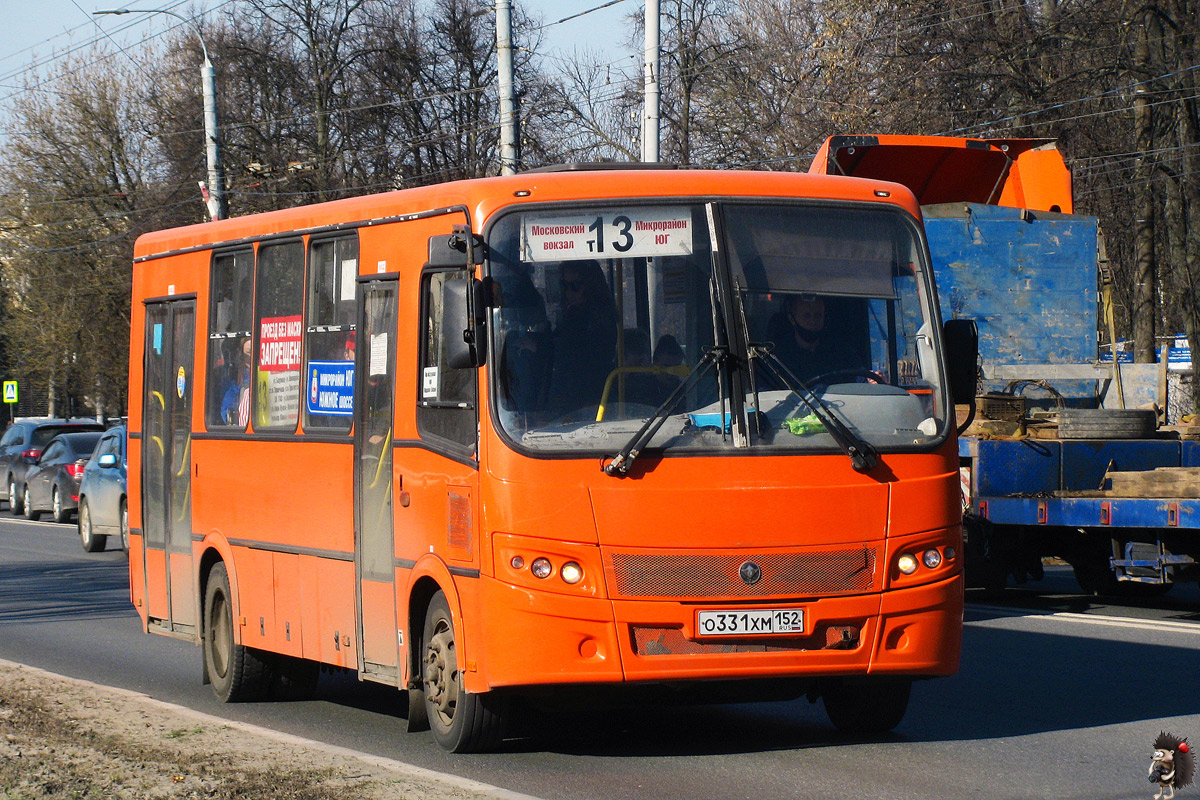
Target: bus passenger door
{"x": 167, "y": 464}
{"x": 374, "y": 545}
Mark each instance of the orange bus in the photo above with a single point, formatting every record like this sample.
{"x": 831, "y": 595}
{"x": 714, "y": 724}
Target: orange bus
{"x": 573, "y": 430}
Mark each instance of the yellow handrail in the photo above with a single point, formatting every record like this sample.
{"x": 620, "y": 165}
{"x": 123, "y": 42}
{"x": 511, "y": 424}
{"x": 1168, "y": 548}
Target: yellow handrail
{"x": 679, "y": 371}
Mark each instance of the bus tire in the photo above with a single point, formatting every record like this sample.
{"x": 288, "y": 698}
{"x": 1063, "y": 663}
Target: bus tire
{"x": 238, "y": 673}
{"x": 92, "y": 542}
{"x": 462, "y": 722}
{"x": 869, "y": 706}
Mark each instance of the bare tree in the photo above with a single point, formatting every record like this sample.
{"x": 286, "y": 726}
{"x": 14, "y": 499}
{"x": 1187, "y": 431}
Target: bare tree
{"x": 81, "y": 180}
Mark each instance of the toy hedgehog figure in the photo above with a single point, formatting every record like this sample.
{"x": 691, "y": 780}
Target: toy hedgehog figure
{"x": 1173, "y": 765}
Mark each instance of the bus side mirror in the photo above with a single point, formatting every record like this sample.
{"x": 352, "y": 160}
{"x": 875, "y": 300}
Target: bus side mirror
{"x": 962, "y": 356}
{"x": 464, "y": 310}
{"x": 450, "y": 249}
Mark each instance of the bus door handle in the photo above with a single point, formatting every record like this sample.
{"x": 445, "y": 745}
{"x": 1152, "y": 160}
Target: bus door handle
{"x": 401, "y": 495}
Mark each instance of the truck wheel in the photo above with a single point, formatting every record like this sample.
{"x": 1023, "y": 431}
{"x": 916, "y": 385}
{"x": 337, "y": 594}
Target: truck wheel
{"x": 92, "y": 542}
{"x": 1106, "y": 423}
{"x": 1095, "y": 578}
{"x": 238, "y": 673}
{"x": 461, "y": 722}
{"x": 868, "y": 706}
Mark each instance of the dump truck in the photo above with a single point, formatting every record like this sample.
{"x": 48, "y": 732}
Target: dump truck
{"x": 1058, "y": 459}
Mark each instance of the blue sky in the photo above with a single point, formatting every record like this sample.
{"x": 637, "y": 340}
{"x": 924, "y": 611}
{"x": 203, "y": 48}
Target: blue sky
{"x": 38, "y": 28}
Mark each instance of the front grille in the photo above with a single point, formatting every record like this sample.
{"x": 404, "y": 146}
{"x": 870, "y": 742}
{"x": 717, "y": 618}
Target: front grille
{"x": 649, "y": 641}
{"x": 794, "y": 574}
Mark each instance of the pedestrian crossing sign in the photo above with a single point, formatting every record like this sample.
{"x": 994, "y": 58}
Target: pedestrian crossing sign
{"x": 10, "y": 391}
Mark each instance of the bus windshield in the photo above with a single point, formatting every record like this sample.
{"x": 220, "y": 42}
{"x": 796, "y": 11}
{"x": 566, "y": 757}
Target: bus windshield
{"x": 601, "y": 315}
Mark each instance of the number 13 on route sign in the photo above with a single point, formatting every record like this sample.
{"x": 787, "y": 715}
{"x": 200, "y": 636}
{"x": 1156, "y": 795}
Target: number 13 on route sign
{"x": 10, "y": 391}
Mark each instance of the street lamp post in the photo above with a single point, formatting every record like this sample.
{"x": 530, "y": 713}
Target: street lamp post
{"x": 217, "y": 207}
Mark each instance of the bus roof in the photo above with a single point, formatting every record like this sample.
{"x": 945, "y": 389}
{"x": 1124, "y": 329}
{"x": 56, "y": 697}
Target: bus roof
{"x": 1019, "y": 173}
{"x": 484, "y": 196}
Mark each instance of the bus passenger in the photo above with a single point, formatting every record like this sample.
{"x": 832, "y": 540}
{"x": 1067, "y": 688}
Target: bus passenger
{"x": 235, "y": 405}
{"x": 803, "y": 343}
{"x": 585, "y": 339}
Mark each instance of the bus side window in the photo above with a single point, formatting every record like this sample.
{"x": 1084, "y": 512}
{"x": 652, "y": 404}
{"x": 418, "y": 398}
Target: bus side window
{"x": 446, "y": 402}
{"x": 329, "y": 336}
{"x": 227, "y": 399}
{"x": 279, "y": 298}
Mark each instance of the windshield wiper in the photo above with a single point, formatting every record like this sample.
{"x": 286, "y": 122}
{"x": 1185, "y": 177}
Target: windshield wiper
{"x": 622, "y": 461}
{"x": 863, "y": 456}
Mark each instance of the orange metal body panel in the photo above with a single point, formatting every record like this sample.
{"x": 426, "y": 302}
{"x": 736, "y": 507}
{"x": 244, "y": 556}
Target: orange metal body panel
{"x": 137, "y": 577}
{"x": 296, "y": 496}
{"x": 254, "y": 608}
{"x": 156, "y": 584}
{"x": 289, "y": 625}
{"x": 1019, "y": 173}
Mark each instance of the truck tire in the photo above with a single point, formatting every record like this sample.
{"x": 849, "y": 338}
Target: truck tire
{"x": 1106, "y": 423}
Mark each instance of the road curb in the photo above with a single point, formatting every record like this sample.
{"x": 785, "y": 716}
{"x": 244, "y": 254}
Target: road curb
{"x": 400, "y": 768}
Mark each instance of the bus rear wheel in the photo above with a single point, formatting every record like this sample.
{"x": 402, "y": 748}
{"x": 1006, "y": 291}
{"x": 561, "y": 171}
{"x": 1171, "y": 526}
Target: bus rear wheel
{"x": 238, "y": 673}
{"x": 461, "y": 722}
{"x": 869, "y": 706}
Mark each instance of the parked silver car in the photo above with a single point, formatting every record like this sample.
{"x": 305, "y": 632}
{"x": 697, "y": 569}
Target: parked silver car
{"x": 102, "y": 496}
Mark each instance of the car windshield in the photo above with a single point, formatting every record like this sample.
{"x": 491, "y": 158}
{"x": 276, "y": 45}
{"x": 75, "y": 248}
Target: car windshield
{"x": 600, "y": 314}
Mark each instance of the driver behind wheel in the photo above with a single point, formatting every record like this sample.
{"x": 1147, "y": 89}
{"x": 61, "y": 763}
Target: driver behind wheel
{"x": 803, "y": 343}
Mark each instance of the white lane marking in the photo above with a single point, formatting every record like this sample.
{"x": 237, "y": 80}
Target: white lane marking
{"x": 399, "y": 767}
{"x": 1094, "y": 619}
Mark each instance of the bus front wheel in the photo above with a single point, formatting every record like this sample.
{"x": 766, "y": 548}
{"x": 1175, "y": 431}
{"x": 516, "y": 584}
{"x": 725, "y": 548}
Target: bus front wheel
{"x": 869, "y": 706}
{"x": 238, "y": 673}
{"x": 462, "y": 722}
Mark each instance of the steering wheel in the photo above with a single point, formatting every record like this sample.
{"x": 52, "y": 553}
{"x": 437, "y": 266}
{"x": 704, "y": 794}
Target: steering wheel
{"x": 852, "y": 372}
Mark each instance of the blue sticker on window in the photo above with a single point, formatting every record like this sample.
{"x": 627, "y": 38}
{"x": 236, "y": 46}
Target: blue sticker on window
{"x": 158, "y": 338}
{"x": 331, "y": 388}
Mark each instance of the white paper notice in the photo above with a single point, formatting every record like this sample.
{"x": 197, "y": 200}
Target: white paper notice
{"x": 349, "y": 273}
{"x": 379, "y": 349}
{"x": 429, "y": 385}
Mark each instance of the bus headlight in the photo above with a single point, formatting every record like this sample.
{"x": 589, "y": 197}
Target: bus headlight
{"x": 541, "y": 568}
{"x": 932, "y": 558}
{"x": 571, "y": 572}
{"x": 907, "y": 564}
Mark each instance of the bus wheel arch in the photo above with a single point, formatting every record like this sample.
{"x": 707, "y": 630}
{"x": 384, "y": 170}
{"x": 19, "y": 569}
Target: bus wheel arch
{"x": 461, "y": 721}
{"x": 237, "y": 673}
{"x": 423, "y": 589}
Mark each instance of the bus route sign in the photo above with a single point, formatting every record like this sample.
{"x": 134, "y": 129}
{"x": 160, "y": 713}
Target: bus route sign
{"x": 10, "y": 391}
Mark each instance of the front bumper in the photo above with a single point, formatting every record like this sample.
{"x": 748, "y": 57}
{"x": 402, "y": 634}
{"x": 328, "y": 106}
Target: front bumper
{"x": 531, "y": 638}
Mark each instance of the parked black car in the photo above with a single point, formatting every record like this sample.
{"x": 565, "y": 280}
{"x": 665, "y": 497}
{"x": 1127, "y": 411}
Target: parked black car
{"x": 102, "y": 500}
{"x": 52, "y": 483}
{"x": 22, "y": 445}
